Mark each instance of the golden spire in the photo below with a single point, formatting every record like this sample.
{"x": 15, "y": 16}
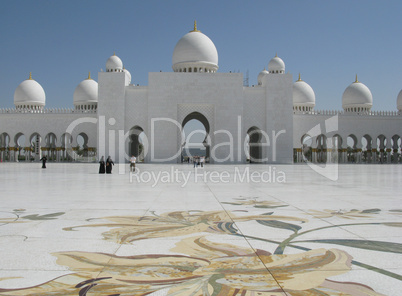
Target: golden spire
{"x": 299, "y": 78}
{"x": 114, "y": 53}
{"x": 276, "y": 54}
{"x": 195, "y": 27}
{"x": 356, "y": 79}
{"x": 89, "y": 76}
{"x": 30, "y": 76}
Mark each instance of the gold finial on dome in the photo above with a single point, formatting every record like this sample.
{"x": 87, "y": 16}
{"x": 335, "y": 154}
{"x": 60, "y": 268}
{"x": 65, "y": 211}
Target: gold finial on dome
{"x": 89, "y": 76}
{"x": 195, "y": 27}
{"x": 276, "y": 54}
{"x": 356, "y": 79}
{"x": 299, "y": 78}
{"x": 114, "y": 53}
{"x": 30, "y": 76}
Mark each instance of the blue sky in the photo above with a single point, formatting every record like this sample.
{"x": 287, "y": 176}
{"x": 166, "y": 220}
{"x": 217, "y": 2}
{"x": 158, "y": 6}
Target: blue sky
{"x": 328, "y": 42}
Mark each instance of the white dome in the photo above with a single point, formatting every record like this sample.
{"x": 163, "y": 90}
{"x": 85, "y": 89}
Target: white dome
{"x": 128, "y": 76}
{"x": 114, "y": 64}
{"x": 86, "y": 92}
{"x": 303, "y": 96}
{"x": 357, "y": 97}
{"x": 29, "y": 93}
{"x": 276, "y": 65}
{"x": 261, "y": 75}
{"x": 399, "y": 101}
{"x": 195, "y": 51}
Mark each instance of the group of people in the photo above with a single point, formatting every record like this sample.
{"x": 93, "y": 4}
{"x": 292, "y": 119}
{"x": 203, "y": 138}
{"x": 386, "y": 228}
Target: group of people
{"x": 198, "y": 160}
{"x": 105, "y": 166}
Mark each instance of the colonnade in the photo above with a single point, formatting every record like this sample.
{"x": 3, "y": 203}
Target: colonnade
{"x": 56, "y": 154}
{"x": 347, "y": 155}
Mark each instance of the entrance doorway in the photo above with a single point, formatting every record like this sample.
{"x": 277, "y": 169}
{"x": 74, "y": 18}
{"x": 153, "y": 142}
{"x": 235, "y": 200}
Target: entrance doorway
{"x": 195, "y": 137}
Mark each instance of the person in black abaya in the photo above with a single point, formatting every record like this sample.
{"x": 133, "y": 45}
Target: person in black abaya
{"x": 102, "y": 165}
{"x": 43, "y": 160}
{"x": 109, "y": 163}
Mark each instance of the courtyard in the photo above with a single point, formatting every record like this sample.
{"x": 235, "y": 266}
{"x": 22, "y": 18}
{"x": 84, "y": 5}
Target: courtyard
{"x": 217, "y": 230}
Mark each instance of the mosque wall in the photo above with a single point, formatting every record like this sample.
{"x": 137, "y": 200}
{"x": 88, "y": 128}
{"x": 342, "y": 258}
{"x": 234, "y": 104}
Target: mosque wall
{"x": 254, "y": 117}
{"x": 345, "y": 125}
{"x": 254, "y": 107}
{"x": 30, "y": 124}
{"x": 347, "y": 137}
{"x": 279, "y": 117}
{"x": 136, "y": 107}
{"x": 223, "y": 91}
{"x": 360, "y": 125}
{"x": 136, "y": 119}
{"x": 111, "y": 105}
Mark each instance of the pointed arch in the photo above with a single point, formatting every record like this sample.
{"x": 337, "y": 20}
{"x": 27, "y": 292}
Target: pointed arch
{"x": 186, "y": 145}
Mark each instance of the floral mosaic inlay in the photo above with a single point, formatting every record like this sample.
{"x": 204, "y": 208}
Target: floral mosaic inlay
{"x": 200, "y": 266}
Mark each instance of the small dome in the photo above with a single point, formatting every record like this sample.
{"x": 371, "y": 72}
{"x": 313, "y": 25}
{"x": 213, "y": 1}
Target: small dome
{"x": 276, "y": 66}
{"x": 195, "y": 52}
{"x": 128, "y": 76}
{"x": 261, "y": 75}
{"x": 114, "y": 64}
{"x": 29, "y": 93}
{"x": 357, "y": 97}
{"x": 303, "y": 96}
{"x": 399, "y": 101}
{"x": 86, "y": 92}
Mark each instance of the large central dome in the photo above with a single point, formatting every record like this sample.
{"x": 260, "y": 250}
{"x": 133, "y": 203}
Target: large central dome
{"x": 195, "y": 52}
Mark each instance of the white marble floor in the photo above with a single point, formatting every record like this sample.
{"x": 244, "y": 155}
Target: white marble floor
{"x": 218, "y": 230}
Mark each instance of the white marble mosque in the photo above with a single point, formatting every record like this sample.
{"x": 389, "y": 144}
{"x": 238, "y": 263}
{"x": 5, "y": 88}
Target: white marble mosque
{"x": 171, "y": 229}
{"x": 272, "y": 122}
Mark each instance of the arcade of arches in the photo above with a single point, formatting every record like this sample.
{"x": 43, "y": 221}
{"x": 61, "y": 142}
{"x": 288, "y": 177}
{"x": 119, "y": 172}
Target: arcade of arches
{"x": 350, "y": 149}
{"x": 320, "y": 149}
{"x": 55, "y": 148}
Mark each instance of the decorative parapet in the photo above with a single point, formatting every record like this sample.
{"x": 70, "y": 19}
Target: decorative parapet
{"x": 341, "y": 112}
{"x": 45, "y": 111}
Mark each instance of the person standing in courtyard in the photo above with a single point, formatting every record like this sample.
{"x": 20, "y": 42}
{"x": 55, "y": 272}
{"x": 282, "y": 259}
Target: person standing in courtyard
{"x": 43, "y": 160}
{"x": 102, "y": 165}
{"x": 109, "y": 163}
{"x": 133, "y": 159}
{"x": 202, "y": 161}
{"x": 195, "y": 160}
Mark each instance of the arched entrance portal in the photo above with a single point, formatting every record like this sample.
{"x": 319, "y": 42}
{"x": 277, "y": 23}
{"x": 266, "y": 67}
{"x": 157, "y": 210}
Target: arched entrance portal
{"x": 254, "y": 137}
{"x": 136, "y": 145}
{"x": 195, "y": 137}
